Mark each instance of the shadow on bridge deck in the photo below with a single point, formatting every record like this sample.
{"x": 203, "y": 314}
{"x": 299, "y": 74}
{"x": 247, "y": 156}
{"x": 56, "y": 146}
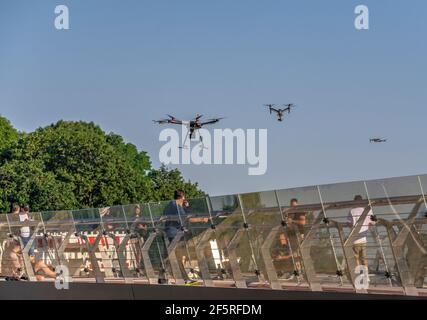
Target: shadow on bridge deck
{"x": 11, "y": 290}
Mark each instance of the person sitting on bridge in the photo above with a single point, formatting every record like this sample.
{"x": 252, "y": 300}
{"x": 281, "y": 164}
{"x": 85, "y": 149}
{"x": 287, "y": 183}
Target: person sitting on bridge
{"x": 13, "y": 264}
{"x": 282, "y": 257}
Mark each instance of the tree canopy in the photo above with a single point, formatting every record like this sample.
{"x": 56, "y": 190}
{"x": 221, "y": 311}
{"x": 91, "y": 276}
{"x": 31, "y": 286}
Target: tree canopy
{"x": 71, "y": 165}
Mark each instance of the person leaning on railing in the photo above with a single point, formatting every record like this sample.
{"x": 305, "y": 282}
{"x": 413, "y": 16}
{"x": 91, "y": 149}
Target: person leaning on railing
{"x": 175, "y": 214}
{"x": 298, "y": 218}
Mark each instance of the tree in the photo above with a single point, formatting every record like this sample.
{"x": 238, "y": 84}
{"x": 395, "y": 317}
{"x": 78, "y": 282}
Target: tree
{"x": 72, "y": 165}
{"x": 80, "y": 154}
{"x": 27, "y": 182}
{"x": 165, "y": 181}
{"x": 8, "y": 136}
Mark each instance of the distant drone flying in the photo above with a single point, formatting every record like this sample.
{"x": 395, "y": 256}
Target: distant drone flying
{"x": 192, "y": 125}
{"x": 280, "y": 112}
{"x": 377, "y": 140}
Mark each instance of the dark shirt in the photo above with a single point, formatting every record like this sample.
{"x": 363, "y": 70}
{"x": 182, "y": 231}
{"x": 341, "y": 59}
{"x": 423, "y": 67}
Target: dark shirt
{"x": 296, "y": 217}
{"x": 172, "y": 227}
{"x": 280, "y": 251}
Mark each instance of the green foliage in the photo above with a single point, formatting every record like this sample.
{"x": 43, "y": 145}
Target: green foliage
{"x": 8, "y": 136}
{"x": 165, "y": 182}
{"x": 252, "y": 201}
{"x": 71, "y": 165}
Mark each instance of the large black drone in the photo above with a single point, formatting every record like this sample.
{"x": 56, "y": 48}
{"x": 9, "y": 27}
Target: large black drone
{"x": 192, "y": 125}
{"x": 280, "y": 112}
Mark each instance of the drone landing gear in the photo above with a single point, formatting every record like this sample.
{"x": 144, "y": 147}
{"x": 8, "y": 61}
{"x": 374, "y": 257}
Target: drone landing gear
{"x": 202, "y": 146}
{"x": 184, "y": 146}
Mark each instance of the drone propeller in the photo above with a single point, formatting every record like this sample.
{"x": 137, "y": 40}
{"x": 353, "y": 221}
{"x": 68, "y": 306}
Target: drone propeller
{"x": 215, "y": 119}
{"x": 161, "y": 121}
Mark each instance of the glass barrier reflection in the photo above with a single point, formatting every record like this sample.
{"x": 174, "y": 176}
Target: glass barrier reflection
{"x": 366, "y": 236}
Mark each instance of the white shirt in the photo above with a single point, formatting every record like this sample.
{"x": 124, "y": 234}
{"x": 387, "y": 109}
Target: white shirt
{"x": 353, "y": 217}
{"x": 25, "y": 231}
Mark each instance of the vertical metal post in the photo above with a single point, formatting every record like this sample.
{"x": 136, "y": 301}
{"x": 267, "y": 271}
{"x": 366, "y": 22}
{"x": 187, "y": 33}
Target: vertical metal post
{"x": 376, "y": 233}
{"x": 329, "y": 234}
{"x": 246, "y": 228}
{"x": 145, "y": 256}
{"x": 284, "y": 223}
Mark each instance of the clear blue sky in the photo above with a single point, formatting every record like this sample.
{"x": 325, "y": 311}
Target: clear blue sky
{"x": 124, "y": 63}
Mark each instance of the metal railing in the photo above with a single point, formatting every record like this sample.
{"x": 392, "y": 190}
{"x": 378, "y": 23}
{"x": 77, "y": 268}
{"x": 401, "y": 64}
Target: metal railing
{"x": 364, "y": 237}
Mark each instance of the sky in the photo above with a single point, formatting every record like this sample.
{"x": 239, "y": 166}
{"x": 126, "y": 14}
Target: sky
{"x": 124, "y": 63}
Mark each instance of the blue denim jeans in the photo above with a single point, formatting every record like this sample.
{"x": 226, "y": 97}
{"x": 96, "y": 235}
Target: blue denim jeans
{"x": 25, "y": 240}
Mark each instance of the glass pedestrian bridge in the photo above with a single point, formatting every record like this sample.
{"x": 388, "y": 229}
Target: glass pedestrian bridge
{"x": 360, "y": 237}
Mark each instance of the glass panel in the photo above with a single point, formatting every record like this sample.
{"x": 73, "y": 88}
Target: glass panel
{"x": 344, "y": 204}
{"x": 227, "y": 218}
{"x": 261, "y": 244}
{"x": 28, "y": 230}
{"x": 158, "y": 250}
{"x": 11, "y": 264}
{"x": 140, "y": 227}
{"x": 59, "y": 228}
{"x": 312, "y": 237}
{"x": 85, "y": 257}
{"x": 197, "y": 224}
{"x": 394, "y": 204}
{"x": 417, "y": 241}
{"x": 115, "y": 227}
{"x": 301, "y": 208}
